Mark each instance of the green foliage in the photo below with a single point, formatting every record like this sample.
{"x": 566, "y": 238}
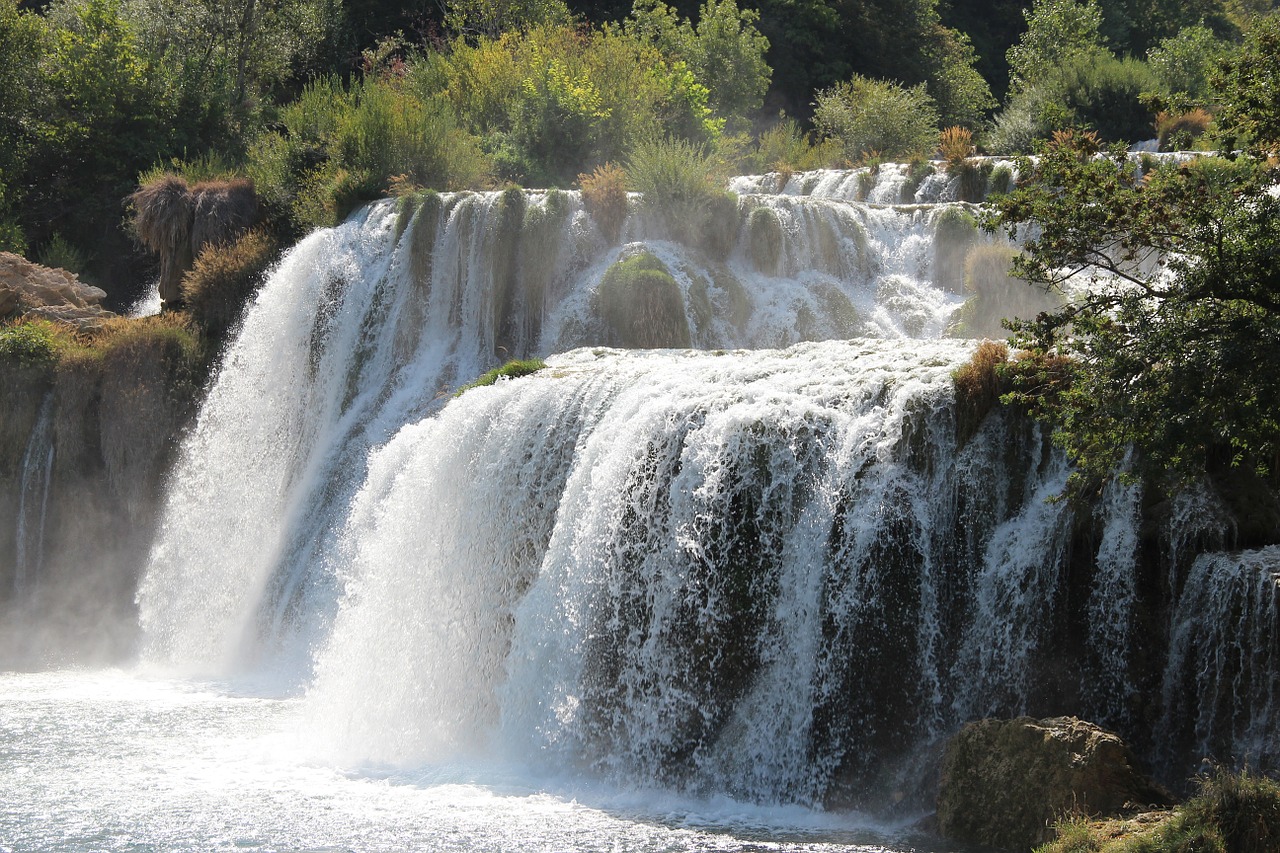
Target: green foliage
{"x": 1248, "y": 87}
{"x": 1105, "y": 94}
{"x": 1182, "y": 63}
{"x": 511, "y": 370}
{"x": 962, "y": 95}
{"x": 29, "y": 343}
{"x": 724, "y": 52}
{"x": 1057, "y": 30}
{"x": 58, "y": 252}
{"x": 346, "y": 144}
{"x": 491, "y": 18}
{"x": 1094, "y": 90}
{"x": 785, "y": 148}
{"x": 873, "y": 116}
{"x": 1173, "y": 334}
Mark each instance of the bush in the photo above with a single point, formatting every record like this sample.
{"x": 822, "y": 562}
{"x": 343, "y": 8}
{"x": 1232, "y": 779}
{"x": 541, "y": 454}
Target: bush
{"x": 681, "y": 183}
{"x": 867, "y": 116}
{"x": 513, "y": 369}
{"x": 1105, "y": 94}
{"x": 223, "y": 279}
{"x": 32, "y": 342}
{"x": 604, "y": 195}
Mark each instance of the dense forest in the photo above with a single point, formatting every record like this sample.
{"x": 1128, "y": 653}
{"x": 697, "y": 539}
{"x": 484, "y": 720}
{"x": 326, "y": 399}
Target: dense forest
{"x": 324, "y": 104}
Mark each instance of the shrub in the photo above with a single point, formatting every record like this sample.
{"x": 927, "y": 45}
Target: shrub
{"x": 1179, "y": 132}
{"x": 513, "y": 369}
{"x": 59, "y": 252}
{"x": 868, "y": 116}
{"x": 604, "y": 195}
{"x": 1105, "y": 93}
{"x": 955, "y": 145}
{"x": 223, "y": 279}
{"x": 680, "y": 182}
{"x": 33, "y": 342}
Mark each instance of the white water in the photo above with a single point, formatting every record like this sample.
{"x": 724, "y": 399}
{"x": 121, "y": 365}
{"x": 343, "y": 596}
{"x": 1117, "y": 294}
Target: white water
{"x": 707, "y": 599}
{"x": 109, "y": 761}
{"x": 34, "y": 486}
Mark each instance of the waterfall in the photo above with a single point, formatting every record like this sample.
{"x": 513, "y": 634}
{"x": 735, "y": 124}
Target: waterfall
{"x": 732, "y": 539}
{"x": 1221, "y": 688}
{"x": 33, "y": 499}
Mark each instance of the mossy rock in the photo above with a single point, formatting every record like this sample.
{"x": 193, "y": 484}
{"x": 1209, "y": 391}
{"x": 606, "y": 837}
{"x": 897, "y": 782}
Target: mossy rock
{"x": 765, "y": 239}
{"x": 642, "y": 306}
{"x": 1005, "y": 781}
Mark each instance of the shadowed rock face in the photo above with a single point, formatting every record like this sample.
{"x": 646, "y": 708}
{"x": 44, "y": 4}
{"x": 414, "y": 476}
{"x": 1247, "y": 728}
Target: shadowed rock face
{"x": 55, "y": 294}
{"x": 1004, "y": 782}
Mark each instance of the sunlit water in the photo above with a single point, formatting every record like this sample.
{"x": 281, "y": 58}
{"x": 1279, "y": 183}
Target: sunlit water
{"x": 113, "y": 761}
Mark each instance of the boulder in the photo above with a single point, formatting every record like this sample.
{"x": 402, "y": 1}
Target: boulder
{"x": 56, "y": 294}
{"x": 1005, "y": 782}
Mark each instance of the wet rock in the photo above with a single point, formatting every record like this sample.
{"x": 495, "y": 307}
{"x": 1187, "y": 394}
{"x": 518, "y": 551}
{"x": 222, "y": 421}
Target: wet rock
{"x": 55, "y": 294}
{"x": 1005, "y": 782}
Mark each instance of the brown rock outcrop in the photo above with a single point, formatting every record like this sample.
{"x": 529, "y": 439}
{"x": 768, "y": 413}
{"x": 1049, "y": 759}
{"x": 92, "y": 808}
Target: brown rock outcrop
{"x": 56, "y": 294}
{"x": 1005, "y": 782}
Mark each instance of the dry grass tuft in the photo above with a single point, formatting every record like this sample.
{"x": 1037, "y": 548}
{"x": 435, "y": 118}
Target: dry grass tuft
{"x": 978, "y": 386}
{"x": 955, "y": 145}
{"x": 223, "y": 210}
{"x": 604, "y": 194}
{"x": 1179, "y": 131}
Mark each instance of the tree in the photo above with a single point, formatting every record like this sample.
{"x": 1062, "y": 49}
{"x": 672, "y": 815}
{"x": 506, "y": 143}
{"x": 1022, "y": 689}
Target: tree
{"x": 1170, "y": 340}
{"x": 1057, "y": 30}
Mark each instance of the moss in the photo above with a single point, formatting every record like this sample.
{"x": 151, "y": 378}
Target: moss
{"x": 717, "y": 229}
{"x": 764, "y": 239}
{"x": 642, "y": 306}
{"x": 513, "y": 369}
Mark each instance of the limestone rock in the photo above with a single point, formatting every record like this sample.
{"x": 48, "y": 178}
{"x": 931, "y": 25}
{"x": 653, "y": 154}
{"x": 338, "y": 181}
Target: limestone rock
{"x": 56, "y": 294}
{"x": 1005, "y": 782}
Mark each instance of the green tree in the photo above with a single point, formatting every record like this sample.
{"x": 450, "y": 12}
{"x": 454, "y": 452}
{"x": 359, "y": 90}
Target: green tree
{"x": 1170, "y": 340}
{"x": 1183, "y": 62}
{"x": 1248, "y": 87}
{"x": 1057, "y": 30}
{"x": 875, "y": 116}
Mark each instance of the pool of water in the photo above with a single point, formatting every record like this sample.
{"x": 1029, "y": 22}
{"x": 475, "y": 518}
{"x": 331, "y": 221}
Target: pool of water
{"x": 110, "y": 760}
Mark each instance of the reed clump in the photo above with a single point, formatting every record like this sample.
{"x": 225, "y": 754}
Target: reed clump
{"x": 955, "y": 144}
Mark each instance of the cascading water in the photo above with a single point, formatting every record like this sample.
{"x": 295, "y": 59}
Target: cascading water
{"x": 33, "y": 499}
{"x": 777, "y": 561}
